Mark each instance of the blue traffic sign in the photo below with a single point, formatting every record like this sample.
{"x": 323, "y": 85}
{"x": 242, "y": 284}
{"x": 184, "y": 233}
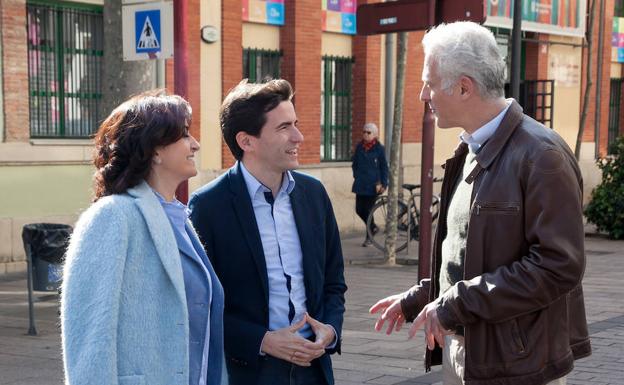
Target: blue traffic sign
{"x": 147, "y": 31}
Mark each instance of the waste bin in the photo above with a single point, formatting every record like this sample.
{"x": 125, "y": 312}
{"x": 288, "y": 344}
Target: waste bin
{"x": 45, "y": 245}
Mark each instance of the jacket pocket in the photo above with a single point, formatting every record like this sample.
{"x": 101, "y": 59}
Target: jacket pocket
{"x": 132, "y": 380}
{"x": 518, "y": 339}
{"x": 496, "y": 208}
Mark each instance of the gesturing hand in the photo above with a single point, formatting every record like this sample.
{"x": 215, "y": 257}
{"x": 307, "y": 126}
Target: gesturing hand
{"x": 434, "y": 331}
{"x": 324, "y": 334}
{"x": 391, "y": 312}
{"x": 287, "y": 345}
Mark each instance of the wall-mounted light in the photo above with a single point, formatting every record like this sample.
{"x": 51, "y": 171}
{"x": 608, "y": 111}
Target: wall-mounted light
{"x": 209, "y": 34}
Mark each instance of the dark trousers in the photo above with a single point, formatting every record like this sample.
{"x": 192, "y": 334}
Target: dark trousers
{"x": 363, "y": 206}
{"x": 274, "y": 371}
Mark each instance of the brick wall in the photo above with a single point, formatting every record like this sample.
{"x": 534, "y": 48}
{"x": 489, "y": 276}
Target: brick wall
{"x": 413, "y": 108}
{"x": 300, "y": 40}
{"x": 366, "y": 82}
{"x": 536, "y": 58}
{"x": 15, "y": 69}
{"x": 605, "y": 51}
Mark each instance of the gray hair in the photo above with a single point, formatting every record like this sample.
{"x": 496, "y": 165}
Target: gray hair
{"x": 372, "y": 127}
{"x": 466, "y": 49}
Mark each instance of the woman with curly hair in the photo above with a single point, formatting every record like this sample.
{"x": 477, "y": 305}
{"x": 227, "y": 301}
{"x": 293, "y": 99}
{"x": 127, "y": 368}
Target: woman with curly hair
{"x": 141, "y": 303}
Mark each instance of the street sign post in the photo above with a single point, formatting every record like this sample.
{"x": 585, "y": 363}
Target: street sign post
{"x": 414, "y": 15}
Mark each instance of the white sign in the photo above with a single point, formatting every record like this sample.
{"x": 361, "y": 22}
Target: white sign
{"x": 147, "y": 31}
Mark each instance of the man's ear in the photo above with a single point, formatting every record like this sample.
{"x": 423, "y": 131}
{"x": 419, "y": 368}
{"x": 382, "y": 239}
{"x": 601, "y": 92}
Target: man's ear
{"x": 244, "y": 140}
{"x": 467, "y": 87}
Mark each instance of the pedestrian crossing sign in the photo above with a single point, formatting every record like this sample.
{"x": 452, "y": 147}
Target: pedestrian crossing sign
{"x": 147, "y": 31}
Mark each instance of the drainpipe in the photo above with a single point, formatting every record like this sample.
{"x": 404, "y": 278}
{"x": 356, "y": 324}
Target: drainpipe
{"x": 516, "y": 52}
{"x": 599, "y": 79}
{"x": 180, "y": 68}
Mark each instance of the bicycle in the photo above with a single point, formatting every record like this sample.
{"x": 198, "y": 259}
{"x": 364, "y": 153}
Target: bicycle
{"x": 376, "y": 221}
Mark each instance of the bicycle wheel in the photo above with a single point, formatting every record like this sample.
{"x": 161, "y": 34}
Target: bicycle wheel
{"x": 376, "y": 225}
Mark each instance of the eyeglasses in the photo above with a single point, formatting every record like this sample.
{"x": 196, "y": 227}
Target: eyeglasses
{"x": 367, "y": 132}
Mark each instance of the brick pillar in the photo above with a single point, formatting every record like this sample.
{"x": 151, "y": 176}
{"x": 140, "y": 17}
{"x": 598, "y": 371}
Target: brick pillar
{"x": 413, "y": 108}
{"x": 231, "y": 57}
{"x": 605, "y": 52}
{"x": 300, "y": 40}
{"x": 536, "y": 58}
{"x": 366, "y": 82}
{"x": 15, "y": 70}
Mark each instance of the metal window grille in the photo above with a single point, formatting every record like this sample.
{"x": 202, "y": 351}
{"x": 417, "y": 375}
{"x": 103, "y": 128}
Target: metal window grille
{"x": 65, "y": 48}
{"x": 336, "y": 84}
{"x": 615, "y": 103}
{"x": 260, "y": 64}
{"x": 537, "y": 99}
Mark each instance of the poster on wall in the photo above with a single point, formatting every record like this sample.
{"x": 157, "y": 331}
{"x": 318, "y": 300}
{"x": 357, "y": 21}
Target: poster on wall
{"x": 557, "y": 17}
{"x": 339, "y": 16}
{"x": 617, "y": 40}
{"x": 264, "y": 11}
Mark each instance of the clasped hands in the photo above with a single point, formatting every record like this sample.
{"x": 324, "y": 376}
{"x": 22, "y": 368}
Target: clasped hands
{"x": 289, "y": 346}
{"x": 390, "y": 311}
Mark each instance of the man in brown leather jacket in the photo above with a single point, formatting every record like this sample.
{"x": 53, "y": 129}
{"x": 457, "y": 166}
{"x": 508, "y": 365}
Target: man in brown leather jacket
{"x": 504, "y": 301}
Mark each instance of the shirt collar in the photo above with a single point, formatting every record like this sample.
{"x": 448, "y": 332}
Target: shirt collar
{"x": 254, "y": 185}
{"x": 476, "y": 140}
{"x": 176, "y": 210}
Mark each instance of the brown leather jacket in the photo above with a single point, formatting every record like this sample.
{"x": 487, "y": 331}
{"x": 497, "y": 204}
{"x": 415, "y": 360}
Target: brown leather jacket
{"x": 521, "y": 301}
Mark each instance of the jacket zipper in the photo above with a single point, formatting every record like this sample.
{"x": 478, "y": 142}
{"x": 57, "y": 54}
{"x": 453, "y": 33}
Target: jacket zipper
{"x": 508, "y": 209}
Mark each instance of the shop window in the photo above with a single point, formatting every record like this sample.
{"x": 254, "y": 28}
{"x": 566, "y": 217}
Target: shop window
{"x": 336, "y": 85}
{"x": 65, "y": 49}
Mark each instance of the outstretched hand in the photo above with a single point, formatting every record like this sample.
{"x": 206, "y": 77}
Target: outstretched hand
{"x": 390, "y": 308}
{"x": 434, "y": 331}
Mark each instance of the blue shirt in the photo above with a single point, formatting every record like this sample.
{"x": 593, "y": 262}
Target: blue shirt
{"x": 198, "y": 287}
{"x": 282, "y": 250}
{"x": 483, "y": 133}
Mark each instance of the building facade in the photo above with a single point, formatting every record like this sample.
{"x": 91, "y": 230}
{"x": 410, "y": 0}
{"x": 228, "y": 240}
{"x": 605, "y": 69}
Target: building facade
{"x": 51, "y": 56}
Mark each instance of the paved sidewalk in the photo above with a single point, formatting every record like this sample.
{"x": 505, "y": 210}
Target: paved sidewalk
{"x": 368, "y": 357}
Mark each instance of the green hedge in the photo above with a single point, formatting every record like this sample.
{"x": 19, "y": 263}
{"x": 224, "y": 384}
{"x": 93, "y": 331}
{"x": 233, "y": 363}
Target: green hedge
{"x": 606, "y": 207}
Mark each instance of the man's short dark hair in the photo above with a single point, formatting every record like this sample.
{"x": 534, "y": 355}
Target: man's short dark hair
{"x": 245, "y": 107}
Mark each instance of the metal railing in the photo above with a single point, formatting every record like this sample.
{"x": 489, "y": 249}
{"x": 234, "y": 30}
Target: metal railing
{"x": 336, "y": 85}
{"x": 260, "y": 64}
{"x": 537, "y": 98}
{"x": 65, "y": 49}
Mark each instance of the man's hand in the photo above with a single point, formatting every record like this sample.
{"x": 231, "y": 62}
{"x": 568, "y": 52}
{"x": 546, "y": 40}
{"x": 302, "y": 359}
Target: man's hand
{"x": 287, "y": 345}
{"x": 324, "y": 334}
{"x": 391, "y": 312}
{"x": 434, "y": 331}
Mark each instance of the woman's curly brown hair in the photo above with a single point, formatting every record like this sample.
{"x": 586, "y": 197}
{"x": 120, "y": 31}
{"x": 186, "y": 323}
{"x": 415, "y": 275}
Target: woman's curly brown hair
{"x": 126, "y": 141}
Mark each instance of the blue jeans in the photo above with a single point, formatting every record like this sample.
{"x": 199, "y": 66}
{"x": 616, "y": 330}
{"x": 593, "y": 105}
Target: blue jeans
{"x": 274, "y": 371}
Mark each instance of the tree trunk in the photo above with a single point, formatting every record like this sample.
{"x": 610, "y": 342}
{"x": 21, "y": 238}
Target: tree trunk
{"x": 588, "y": 84}
{"x": 120, "y": 79}
{"x": 395, "y": 151}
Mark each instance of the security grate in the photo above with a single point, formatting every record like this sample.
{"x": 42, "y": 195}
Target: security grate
{"x": 615, "y": 104}
{"x": 261, "y": 64}
{"x": 336, "y": 85}
{"x": 65, "y": 48}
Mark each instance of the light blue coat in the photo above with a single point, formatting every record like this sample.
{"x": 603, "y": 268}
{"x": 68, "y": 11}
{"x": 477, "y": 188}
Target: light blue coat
{"x": 124, "y": 313}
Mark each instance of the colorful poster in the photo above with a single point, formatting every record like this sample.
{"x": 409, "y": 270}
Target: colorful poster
{"x": 557, "y": 17}
{"x": 617, "y": 40}
{"x": 264, "y": 11}
{"x": 339, "y": 16}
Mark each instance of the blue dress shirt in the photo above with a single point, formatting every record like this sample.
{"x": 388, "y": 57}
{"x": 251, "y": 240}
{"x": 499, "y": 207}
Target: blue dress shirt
{"x": 483, "y": 133}
{"x": 199, "y": 291}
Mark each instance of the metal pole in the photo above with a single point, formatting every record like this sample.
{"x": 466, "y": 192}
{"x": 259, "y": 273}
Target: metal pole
{"x": 32, "y": 331}
{"x": 599, "y": 50}
{"x": 426, "y": 192}
{"x": 388, "y": 92}
{"x": 180, "y": 67}
{"x": 516, "y": 50}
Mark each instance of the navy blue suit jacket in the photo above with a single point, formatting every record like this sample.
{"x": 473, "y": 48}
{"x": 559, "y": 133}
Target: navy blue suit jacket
{"x": 223, "y": 216}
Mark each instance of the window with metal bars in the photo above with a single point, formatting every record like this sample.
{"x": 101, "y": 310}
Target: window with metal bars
{"x": 615, "y": 105}
{"x": 65, "y": 48}
{"x": 537, "y": 98}
{"x": 336, "y": 85}
{"x": 261, "y": 64}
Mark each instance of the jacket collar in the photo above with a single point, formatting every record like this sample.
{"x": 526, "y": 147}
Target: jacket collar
{"x": 497, "y": 141}
{"x": 161, "y": 233}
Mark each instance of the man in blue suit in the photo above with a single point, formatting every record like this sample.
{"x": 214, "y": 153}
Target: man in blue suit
{"x": 273, "y": 240}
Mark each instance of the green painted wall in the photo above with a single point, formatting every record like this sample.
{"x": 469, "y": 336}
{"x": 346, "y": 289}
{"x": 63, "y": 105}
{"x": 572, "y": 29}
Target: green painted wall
{"x": 44, "y": 190}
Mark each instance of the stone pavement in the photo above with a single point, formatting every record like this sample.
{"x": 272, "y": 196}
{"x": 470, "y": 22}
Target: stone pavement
{"x": 368, "y": 357}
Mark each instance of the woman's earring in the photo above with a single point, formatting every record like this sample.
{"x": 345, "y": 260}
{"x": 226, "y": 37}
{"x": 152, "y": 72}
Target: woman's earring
{"x": 157, "y": 160}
